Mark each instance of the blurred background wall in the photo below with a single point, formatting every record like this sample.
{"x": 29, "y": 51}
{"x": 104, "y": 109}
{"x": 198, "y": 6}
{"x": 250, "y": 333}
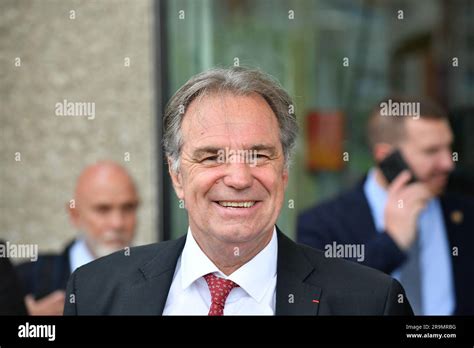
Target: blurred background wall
{"x": 81, "y": 51}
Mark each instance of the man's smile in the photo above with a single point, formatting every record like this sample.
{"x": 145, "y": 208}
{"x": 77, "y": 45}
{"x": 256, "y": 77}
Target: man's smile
{"x": 237, "y": 204}
{"x": 230, "y": 209}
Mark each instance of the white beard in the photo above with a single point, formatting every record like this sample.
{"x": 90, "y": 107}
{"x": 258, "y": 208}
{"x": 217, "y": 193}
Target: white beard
{"x": 109, "y": 243}
{"x": 101, "y": 250}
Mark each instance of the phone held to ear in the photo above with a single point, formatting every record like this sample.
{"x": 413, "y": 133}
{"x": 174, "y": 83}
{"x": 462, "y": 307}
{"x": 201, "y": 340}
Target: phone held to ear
{"x": 393, "y": 165}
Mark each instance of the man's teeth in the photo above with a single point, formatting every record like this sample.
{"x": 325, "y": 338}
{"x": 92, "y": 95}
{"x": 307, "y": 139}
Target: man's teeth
{"x": 237, "y": 204}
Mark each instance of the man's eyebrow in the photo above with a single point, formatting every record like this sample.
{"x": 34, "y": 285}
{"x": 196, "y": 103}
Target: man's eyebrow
{"x": 263, "y": 147}
{"x": 201, "y": 151}
{"x": 213, "y": 150}
{"x": 102, "y": 206}
{"x": 439, "y": 146}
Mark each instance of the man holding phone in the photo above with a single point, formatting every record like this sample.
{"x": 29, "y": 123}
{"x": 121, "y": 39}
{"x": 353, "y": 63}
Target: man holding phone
{"x": 410, "y": 227}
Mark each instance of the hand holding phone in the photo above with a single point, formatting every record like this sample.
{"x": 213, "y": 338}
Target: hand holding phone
{"x": 407, "y": 197}
{"x": 393, "y": 165}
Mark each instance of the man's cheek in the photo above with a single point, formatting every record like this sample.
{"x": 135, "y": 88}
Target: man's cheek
{"x": 97, "y": 224}
{"x": 428, "y": 173}
{"x": 132, "y": 223}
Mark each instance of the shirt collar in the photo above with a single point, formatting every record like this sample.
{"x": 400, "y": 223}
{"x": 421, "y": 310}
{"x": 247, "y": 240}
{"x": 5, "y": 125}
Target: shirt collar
{"x": 254, "y": 277}
{"x": 376, "y": 197}
{"x": 373, "y": 188}
{"x": 79, "y": 254}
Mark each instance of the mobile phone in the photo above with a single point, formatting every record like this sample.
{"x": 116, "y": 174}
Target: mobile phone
{"x": 394, "y": 164}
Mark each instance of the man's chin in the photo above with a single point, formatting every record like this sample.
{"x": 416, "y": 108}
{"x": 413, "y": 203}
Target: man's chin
{"x": 437, "y": 190}
{"x": 238, "y": 234}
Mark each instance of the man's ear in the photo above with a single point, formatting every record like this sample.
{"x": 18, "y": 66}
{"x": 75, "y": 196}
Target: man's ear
{"x": 71, "y": 208}
{"x": 381, "y": 150}
{"x": 176, "y": 179}
{"x": 285, "y": 176}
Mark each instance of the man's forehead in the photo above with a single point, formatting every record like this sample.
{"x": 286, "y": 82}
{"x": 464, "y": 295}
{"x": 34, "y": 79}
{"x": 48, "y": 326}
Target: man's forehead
{"x": 225, "y": 109}
{"x": 429, "y": 128}
{"x": 216, "y": 145}
{"x": 237, "y": 134}
{"x": 106, "y": 191}
{"x": 251, "y": 126}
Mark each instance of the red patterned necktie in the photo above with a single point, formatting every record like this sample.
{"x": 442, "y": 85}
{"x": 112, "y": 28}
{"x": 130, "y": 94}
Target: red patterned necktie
{"x": 220, "y": 289}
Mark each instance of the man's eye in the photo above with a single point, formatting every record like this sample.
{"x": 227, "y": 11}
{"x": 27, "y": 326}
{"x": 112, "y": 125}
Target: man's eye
{"x": 128, "y": 208}
{"x": 431, "y": 151}
{"x": 262, "y": 157}
{"x": 102, "y": 210}
{"x": 210, "y": 159}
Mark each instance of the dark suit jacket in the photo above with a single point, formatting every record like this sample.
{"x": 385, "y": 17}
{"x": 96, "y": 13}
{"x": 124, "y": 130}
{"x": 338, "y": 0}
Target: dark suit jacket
{"x": 47, "y": 274}
{"x": 11, "y": 297}
{"x": 307, "y": 284}
{"x": 347, "y": 219}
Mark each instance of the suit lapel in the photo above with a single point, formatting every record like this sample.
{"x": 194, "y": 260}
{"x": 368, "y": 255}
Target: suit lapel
{"x": 453, "y": 220}
{"x": 148, "y": 295}
{"x": 362, "y": 222}
{"x": 65, "y": 266}
{"x": 296, "y": 293}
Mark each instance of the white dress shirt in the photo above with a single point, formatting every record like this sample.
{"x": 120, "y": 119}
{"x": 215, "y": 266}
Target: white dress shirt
{"x": 189, "y": 293}
{"x": 79, "y": 254}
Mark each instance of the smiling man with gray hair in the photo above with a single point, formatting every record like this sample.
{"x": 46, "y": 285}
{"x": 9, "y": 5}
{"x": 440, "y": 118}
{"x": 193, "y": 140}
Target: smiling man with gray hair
{"x": 233, "y": 259}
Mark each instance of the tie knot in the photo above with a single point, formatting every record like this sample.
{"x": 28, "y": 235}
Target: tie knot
{"x": 220, "y": 289}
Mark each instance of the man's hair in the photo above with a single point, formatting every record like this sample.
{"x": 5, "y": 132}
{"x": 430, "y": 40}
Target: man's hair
{"x": 238, "y": 81}
{"x": 383, "y": 128}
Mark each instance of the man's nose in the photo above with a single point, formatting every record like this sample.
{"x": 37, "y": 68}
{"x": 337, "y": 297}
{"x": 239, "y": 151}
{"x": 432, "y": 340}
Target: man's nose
{"x": 447, "y": 162}
{"x": 117, "y": 219}
{"x": 238, "y": 176}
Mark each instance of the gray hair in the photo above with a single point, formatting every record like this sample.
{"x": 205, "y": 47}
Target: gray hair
{"x": 239, "y": 81}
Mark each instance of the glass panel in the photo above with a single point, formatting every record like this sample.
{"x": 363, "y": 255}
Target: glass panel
{"x": 329, "y": 55}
